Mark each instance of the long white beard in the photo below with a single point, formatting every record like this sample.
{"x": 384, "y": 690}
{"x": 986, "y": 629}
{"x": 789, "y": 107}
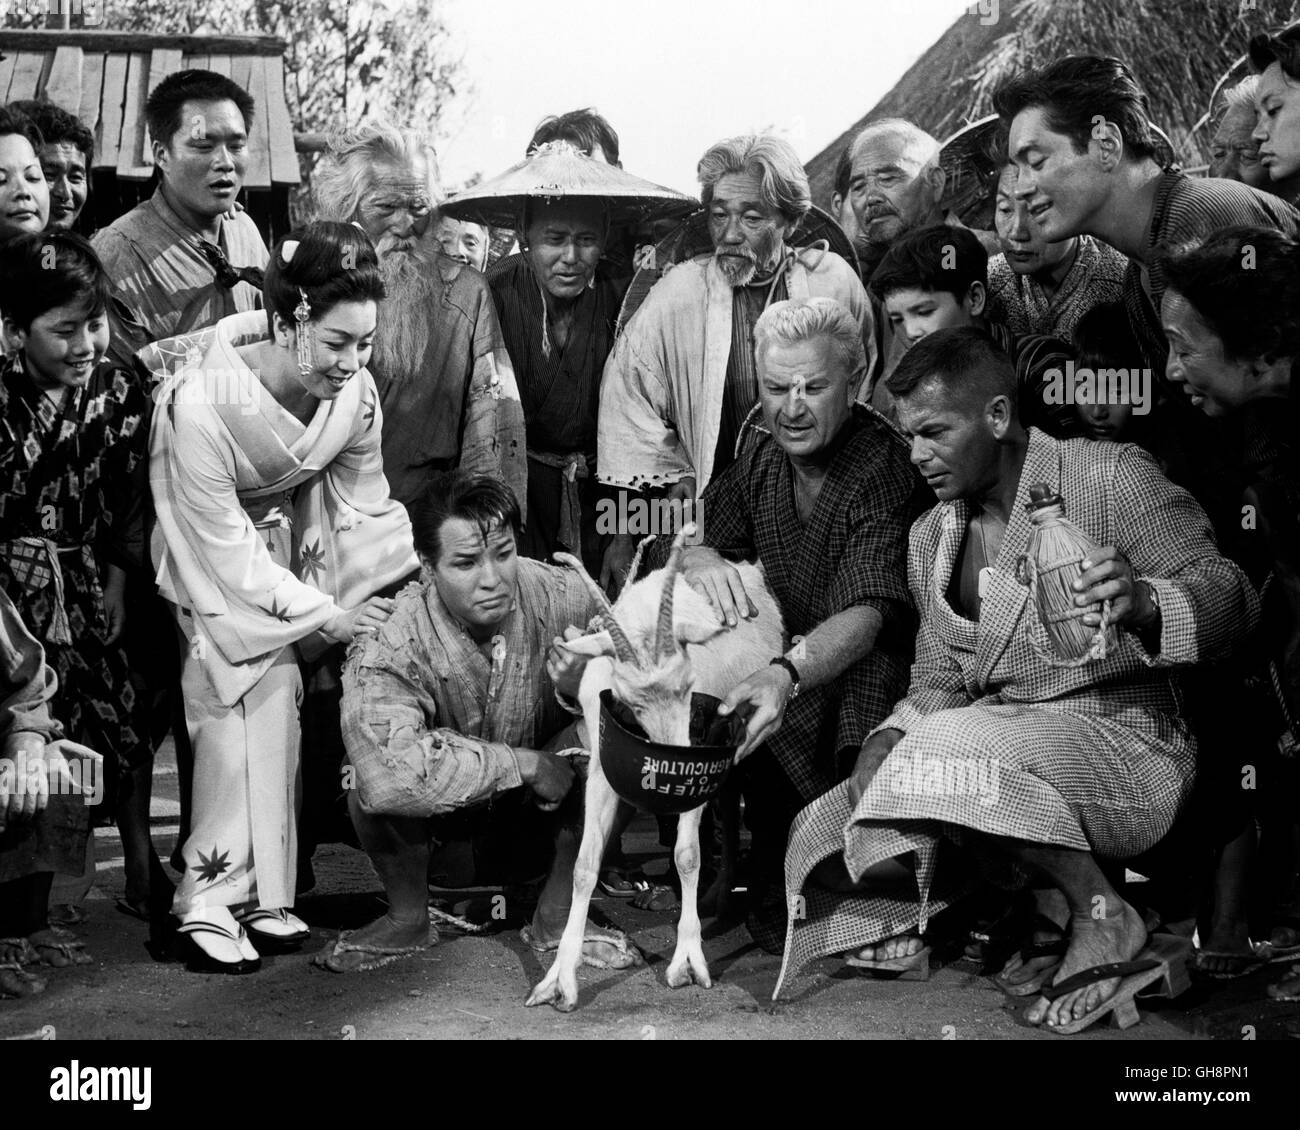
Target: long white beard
{"x": 406, "y": 314}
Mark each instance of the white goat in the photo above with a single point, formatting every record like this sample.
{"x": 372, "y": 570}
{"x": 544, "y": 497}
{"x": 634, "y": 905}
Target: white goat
{"x": 661, "y": 641}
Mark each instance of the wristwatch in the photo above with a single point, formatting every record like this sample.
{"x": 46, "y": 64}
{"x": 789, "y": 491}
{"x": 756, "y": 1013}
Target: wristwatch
{"x": 782, "y": 661}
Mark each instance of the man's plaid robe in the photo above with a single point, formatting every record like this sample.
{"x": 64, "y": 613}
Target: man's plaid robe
{"x": 1095, "y": 758}
{"x": 852, "y": 552}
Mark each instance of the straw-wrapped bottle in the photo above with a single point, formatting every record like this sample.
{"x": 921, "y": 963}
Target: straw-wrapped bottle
{"x": 1057, "y": 550}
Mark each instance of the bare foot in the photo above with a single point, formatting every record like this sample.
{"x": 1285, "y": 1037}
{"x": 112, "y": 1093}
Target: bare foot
{"x": 1020, "y": 971}
{"x": 1093, "y": 941}
{"x": 387, "y": 933}
{"x": 1287, "y": 989}
{"x": 892, "y": 949}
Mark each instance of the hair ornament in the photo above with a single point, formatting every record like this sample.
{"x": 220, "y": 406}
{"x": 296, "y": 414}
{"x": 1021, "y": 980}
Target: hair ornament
{"x": 287, "y": 249}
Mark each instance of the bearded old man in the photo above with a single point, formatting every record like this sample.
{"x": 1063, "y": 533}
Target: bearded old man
{"x": 445, "y": 381}
{"x": 682, "y": 380}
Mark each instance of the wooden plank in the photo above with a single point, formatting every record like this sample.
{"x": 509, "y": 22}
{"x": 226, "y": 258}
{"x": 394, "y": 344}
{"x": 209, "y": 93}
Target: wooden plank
{"x": 131, "y": 163}
{"x": 106, "y": 41}
{"x": 284, "y": 157}
{"x": 219, "y": 63}
{"x": 163, "y": 62}
{"x": 92, "y": 83}
{"x": 198, "y": 61}
{"x": 7, "y": 64}
{"x": 109, "y": 138}
{"x": 27, "y": 76}
{"x": 241, "y": 68}
{"x": 63, "y": 87}
{"x": 259, "y": 137}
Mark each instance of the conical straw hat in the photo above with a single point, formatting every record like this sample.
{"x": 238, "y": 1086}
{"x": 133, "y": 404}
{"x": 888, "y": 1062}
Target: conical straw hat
{"x": 557, "y": 171}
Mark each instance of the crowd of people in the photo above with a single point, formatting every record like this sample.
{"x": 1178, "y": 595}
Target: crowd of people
{"x": 298, "y": 507}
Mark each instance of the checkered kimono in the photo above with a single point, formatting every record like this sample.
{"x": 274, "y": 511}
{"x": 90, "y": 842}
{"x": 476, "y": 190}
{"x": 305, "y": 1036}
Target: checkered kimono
{"x": 1094, "y": 758}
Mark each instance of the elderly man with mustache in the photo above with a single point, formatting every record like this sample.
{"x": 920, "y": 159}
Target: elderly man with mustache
{"x": 446, "y": 384}
{"x": 681, "y": 380}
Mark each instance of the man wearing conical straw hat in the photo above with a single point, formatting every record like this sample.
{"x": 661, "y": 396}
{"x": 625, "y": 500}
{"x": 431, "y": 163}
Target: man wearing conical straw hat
{"x": 558, "y": 307}
{"x": 995, "y": 748}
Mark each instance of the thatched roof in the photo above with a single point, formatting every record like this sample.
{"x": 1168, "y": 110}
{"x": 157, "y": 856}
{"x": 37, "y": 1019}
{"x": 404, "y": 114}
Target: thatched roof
{"x": 1178, "y": 48}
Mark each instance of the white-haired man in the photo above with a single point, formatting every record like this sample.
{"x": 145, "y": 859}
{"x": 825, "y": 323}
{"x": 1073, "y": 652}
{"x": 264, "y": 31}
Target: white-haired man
{"x": 824, "y": 501}
{"x": 445, "y": 381}
{"x": 682, "y": 378}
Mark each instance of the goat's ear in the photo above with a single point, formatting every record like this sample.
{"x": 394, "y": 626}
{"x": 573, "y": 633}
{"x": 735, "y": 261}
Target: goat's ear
{"x": 698, "y": 630}
{"x": 598, "y": 643}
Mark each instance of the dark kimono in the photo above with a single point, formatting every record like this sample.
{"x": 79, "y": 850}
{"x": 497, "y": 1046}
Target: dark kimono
{"x": 71, "y": 503}
{"x": 853, "y": 551}
{"x": 560, "y": 391}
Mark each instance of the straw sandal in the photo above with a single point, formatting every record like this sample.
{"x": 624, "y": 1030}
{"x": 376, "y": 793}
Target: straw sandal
{"x": 59, "y": 948}
{"x": 371, "y": 956}
{"x": 626, "y": 956}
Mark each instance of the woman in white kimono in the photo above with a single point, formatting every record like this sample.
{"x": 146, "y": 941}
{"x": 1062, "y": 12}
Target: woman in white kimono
{"x": 275, "y": 531}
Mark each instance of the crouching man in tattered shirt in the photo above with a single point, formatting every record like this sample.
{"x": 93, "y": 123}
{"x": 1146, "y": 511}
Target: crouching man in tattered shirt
{"x": 452, "y": 708}
{"x": 996, "y": 747}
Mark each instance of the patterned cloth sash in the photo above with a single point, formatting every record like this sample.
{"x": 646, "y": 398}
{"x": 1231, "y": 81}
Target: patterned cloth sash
{"x": 574, "y": 466}
{"x": 265, "y": 510}
{"x": 35, "y": 565}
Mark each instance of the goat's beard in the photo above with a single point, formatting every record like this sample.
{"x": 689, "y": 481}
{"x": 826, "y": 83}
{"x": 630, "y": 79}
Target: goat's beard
{"x": 402, "y": 333}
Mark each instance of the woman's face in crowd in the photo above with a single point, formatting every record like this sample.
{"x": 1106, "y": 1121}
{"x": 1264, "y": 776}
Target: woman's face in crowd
{"x": 465, "y": 242}
{"x": 64, "y": 166}
{"x": 63, "y": 345}
{"x": 565, "y": 242}
{"x": 1277, "y": 128}
{"x": 24, "y": 195}
{"x": 1233, "y": 154}
{"x": 1215, "y": 383}
{"x": 475, "y": 577}
{"x": 1027, "y": 252}
{"x": 341, "y": 340}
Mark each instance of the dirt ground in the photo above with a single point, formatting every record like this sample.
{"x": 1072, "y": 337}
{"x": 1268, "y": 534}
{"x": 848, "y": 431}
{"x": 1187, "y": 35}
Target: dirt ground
{"x": 469, "y": 987}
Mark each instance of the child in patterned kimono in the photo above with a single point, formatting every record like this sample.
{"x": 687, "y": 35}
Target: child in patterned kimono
{"x": 275, "y": 533}
{"x": 72, "y": 430}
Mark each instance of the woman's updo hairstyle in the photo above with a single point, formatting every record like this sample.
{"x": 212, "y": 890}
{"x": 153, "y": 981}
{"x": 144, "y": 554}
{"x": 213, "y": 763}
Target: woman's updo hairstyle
{"x": 332, "y": 261}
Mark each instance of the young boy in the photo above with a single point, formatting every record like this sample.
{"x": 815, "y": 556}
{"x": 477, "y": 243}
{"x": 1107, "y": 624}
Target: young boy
{"x": 936, "y": 278}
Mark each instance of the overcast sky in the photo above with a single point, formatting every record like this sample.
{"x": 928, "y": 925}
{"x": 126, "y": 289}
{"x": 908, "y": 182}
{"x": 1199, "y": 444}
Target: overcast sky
{"x": 673, "y": 76}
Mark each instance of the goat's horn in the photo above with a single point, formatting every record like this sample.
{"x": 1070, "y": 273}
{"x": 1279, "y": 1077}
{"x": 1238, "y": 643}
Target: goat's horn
{"x": 636, "y": 558}
{"x": 624, "y": 652}
{"x": 665, "y": 640}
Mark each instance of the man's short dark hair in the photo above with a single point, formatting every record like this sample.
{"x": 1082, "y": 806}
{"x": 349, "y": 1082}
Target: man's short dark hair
{"x": 1282, "y": 48}
{"x": 14, "y": 121}
{"x": 1074, "y": 91}
{"x": 482, "y": 499}
{"x": 585, "y": 128}
{"x": 962, "y": 361}
{"x": 938, "y": 257}
{"x": 162, "y": 111}
{"x": 57, "y": 125}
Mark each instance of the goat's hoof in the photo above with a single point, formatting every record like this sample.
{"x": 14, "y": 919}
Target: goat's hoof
{"x": 551, "y": 992}
{"x": 682, "y": 974}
